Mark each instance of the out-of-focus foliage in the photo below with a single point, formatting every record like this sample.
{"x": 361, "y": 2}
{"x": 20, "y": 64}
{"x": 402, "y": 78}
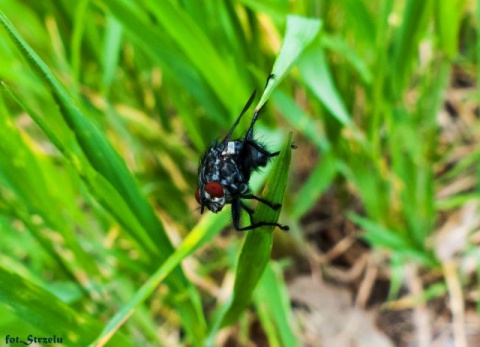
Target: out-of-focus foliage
{"x": 107, "y": 105}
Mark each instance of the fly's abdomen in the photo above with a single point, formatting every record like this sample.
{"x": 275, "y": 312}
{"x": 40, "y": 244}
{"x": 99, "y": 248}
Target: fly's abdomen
{"x": 260, "y": 159}
{"x": 258, "y": 156}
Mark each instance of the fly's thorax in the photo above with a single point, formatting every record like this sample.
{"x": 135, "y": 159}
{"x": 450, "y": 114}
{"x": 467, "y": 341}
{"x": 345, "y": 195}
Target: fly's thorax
{"x": 232, "y": 148}
{"x": 220, "y": 175}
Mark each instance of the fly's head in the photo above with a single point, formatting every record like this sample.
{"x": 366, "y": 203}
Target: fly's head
{"x": 211, "y": 195}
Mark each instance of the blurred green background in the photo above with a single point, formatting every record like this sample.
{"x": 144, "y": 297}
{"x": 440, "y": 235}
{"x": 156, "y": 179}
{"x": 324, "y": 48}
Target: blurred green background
{"x": 101, "y": 135}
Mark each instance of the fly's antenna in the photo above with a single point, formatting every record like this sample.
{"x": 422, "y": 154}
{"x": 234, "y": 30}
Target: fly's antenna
{"x": 245, "y": 108}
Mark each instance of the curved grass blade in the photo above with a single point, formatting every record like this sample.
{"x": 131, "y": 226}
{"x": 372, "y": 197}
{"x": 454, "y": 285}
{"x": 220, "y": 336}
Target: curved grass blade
{"x": 137, "y": 25}
{"x": 105, "y": 160}
{"x": 257, "y": 245}
{"x": 200, "y": 49}
{"x": 99, "y": 152}
{"x": 300, "y": 32}
{"x": 203, "y": 232}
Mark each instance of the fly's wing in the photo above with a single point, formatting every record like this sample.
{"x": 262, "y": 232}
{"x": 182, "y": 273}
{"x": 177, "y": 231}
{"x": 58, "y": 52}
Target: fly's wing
{"x": 245, "y": 108}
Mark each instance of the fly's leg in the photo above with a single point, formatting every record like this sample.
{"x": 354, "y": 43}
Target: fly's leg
{"x": 249, "y": 134}
{"x": 245, "y": 108}
{"x": 266, "y": 202}
{"x": 261, "y": 224}
{"x": 263, "y": 150}
{"x": 237, "y": 206}
{"x": 236, "y": 213}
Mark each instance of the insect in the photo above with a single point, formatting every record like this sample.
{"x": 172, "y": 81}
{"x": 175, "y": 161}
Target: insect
{"x": 224, "y": 174}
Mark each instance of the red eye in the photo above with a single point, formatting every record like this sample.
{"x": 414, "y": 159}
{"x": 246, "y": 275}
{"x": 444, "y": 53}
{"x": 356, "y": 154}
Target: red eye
{"x": 214, "y": 189}
{"x": 197, "y": 196}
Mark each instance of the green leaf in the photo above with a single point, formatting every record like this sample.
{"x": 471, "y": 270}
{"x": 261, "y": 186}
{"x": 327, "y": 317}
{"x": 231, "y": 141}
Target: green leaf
{"x": 273, "y": 306}
{"x": 257, "y": 245}
{"x": 106, "y": 162}
{"x": 208, "y": 227}
{"x": 201, "y": 234}
{"x": 316, "y": 74}
{"x": 448, "y": 17}
{"x": 338, "y": 45}
{"x": 111, "y": 50}
{"x": 312, "y": 129}
{"x": 381, "y": 236}
{"x": 318, "y": 181}
{"x": 300, "y": 32}
{"x": 200, "y": 50}
{"x": 138, "y": 27}
{"x": 101, "y": 155}
{"x": 415, "y": 20}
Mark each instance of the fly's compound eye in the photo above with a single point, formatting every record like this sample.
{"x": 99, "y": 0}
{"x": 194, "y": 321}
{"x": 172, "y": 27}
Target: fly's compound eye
{"x": 214, "y": 189}
{"x": 197, "y": 196}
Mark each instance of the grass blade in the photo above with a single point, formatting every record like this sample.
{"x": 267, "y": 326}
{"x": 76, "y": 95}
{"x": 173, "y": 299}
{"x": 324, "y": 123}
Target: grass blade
{"x": 203, "y": 232}
{"x": 256, "y": 248}
{"x": 47, "y": 313}
{"x": 273, "y": 305}
{"x": 315, "y": 73}
{"x": 101, "y": 155}
{"x": 300, "y": 32}
{"x": 107, "y": 163}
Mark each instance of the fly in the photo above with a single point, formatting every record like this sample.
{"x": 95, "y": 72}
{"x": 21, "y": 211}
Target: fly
{"x": 224, "y": 174}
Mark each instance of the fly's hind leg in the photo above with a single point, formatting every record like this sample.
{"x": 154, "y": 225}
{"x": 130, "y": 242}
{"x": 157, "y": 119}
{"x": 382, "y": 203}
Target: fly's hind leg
{"x": 263, "y": 201}
{"x": 261, "y": 224}
{"x": 237, "y": 206}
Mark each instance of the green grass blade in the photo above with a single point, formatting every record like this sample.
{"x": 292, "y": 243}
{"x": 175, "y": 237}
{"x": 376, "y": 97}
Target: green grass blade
{"x": 77, "y": 35}
{"x": 256, "y": 248}
{"x": 138, "y": 26}
{"x": 448, "y": 19}
{"x": 202, "y": 233}
{"x": 273, "y": 305}
{"x": 338, "y": 45}
{"x": 200, "y": 50}
{"x": 415, "y": 22}
{"x": 315, "y": 73}
{"x": 300, "y": 32}
{"x": 101, "y": 155}
{"x": 310, "y": 128}
{"x": 105, "y": 160}
{"x": 111, "y": 50}
{"x": 391, "y": 239}
{"x": 477, "y": 51}
{"x": 45, "y": 312}
{"x": 318, "y": 181}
